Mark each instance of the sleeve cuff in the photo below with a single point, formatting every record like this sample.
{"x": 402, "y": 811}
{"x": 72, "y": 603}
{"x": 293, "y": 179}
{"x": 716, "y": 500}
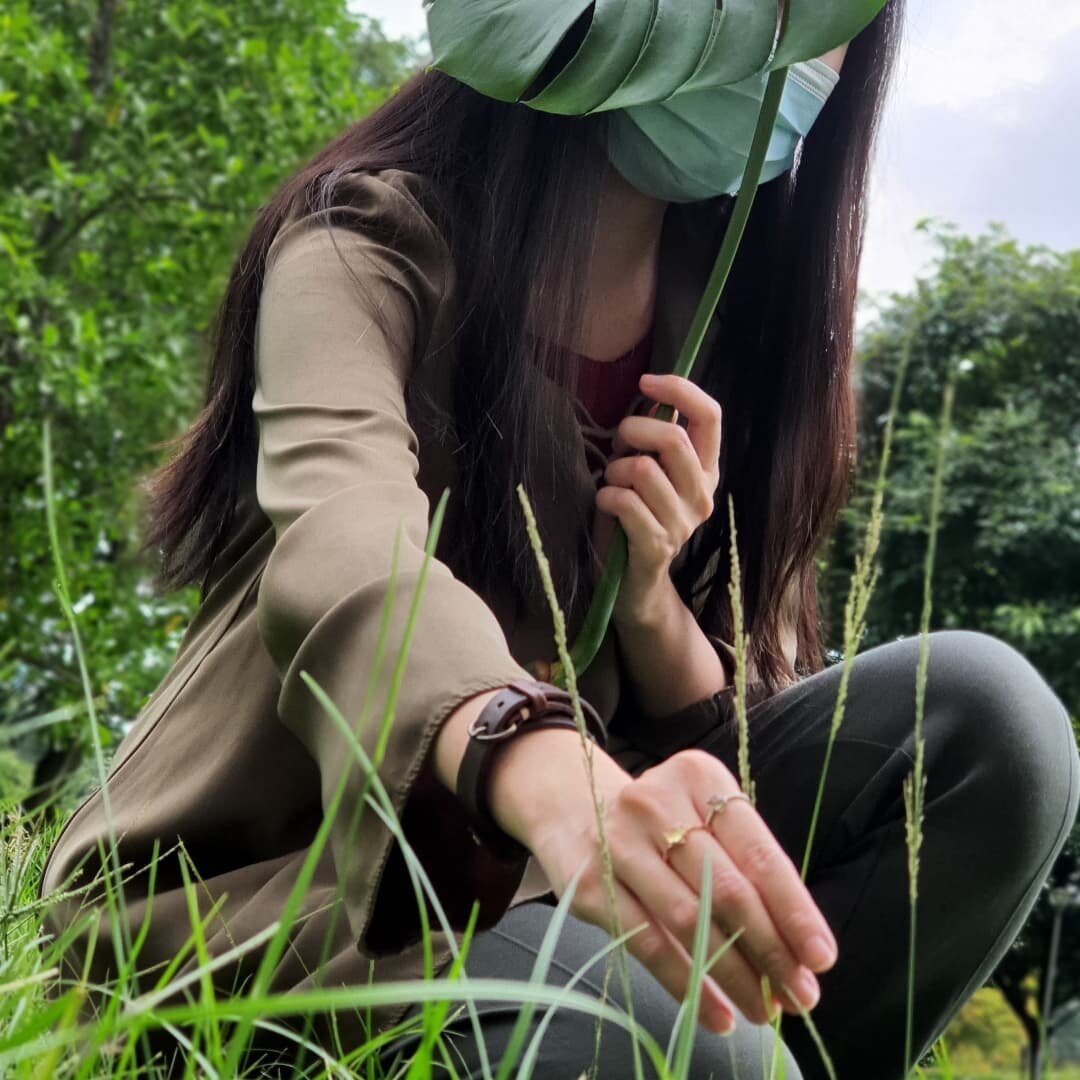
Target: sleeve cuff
{"x": 662, "y": 736}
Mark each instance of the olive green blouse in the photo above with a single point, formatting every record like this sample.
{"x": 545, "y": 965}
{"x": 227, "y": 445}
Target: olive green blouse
{"x": 233, "y": 760}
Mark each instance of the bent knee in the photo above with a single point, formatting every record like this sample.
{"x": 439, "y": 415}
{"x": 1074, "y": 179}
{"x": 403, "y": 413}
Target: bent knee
{"x": 998, "y": 713}
{"x": 982, "y": 675}
{"x": 745, "y": 1054}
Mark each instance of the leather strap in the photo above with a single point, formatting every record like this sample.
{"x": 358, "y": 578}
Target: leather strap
{"x": 524, "y": 705}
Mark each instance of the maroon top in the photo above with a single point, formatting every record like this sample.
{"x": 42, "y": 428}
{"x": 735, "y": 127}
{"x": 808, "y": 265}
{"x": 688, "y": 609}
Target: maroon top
{"x": 607, "y": 391}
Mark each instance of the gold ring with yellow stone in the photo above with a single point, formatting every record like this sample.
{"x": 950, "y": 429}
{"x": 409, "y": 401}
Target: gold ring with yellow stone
{"x": 676, "y": 837}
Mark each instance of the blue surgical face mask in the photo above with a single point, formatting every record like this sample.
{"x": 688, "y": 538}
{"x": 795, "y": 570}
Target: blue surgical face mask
{"x": 695, "y": 145}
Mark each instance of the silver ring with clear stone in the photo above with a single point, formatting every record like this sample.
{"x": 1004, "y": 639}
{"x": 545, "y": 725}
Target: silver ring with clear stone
{"x": 717, "y": 804}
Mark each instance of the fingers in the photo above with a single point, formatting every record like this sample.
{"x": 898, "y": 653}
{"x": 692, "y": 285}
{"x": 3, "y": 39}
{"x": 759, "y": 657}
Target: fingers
{"x": 701, "y": 410}
{"x": 649, "y": 541}
{"x": 673, "y": 886}
{"x": 653, "y": 946}
{"x": 662, "y": 888}
{"x": 620, "y": 447}
{"x": 755, "y": 893}
{"x": 693, "y": 478}
{"x": 645, "y": 476}
{"x": 761, "y": 948}
{"x": 765, "y": 864}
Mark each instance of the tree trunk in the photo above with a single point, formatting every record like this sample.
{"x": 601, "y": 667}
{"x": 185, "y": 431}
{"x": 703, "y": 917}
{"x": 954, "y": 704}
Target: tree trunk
{"x": 1017, "y": 1000}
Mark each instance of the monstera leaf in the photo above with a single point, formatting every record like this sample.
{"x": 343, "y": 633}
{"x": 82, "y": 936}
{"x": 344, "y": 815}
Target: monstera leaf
{"x": 631, "y": 52}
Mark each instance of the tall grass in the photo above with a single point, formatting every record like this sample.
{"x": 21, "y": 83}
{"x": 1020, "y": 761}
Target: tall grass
{"x": 569, "y": 677}
{"x": 915, "y": 783}
{"x": 54, "y": 1034}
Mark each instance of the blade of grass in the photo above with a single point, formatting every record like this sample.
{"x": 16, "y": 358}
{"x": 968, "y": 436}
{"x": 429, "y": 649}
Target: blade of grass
{"x": 942, "y": 1060}
{"x": 354, "y": 825}
{"x": 300, "y": 887}
{"x": 541, "y": 966}
{"x": 279, "y": 937}
{"x": 382, "y": 806}
{"x": 331, "y": 1066}
{"x": 915, "y": 783}
{"x": 47, "y": 1067}
{"x": 13, "y": 732}
{"x": 389, "y": 993}
{"x": 63, "y": 594}
{"x": 570, "y": 676}
{"x": 687, "y": 1029}
{"x": 737, "y": 622}
{"x": 863, "y": 579}
{"x": 434, "y": 1020}
{"x": 149, "y": 1001}
{"x": 528, "y": 1062}
{"x": 126, "y": 973}
{"x": 49, "y": 1017}
{"x": 410, "y": 627}
{"x": 351, "y": 997}
{"x": 193, "y": 1055}
{"x": 206, "y": 983}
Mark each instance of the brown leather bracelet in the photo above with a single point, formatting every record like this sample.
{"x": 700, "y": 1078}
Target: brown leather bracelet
{"x": 524, "y": 705}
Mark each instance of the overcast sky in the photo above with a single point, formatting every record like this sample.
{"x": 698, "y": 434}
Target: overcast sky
{"x": 983, "y": 126}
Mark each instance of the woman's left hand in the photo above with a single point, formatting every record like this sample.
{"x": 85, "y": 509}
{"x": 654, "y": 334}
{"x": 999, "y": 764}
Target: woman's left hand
{"x": 660, "y": 501}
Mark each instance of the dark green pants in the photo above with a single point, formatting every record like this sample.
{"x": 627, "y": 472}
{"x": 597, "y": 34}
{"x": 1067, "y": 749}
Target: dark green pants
{"x": 1003, "y": 784}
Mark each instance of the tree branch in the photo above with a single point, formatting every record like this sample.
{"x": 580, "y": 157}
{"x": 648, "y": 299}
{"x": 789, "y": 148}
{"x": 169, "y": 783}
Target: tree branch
{"x": 97, "y": 78}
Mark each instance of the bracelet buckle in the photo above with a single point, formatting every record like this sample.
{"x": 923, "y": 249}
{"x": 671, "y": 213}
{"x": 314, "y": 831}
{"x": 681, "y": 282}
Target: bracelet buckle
{"x": 485, "y": 734}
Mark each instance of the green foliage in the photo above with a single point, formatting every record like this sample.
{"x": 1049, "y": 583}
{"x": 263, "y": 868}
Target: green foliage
{"x": 144, "y": 138}
{"x": 1004, "y": 321}
{"x": 985, "y": 1034}
{"x": 15, "y": 777}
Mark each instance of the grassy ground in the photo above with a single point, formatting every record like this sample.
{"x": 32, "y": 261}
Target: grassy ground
{"x": 42, "y": 1038}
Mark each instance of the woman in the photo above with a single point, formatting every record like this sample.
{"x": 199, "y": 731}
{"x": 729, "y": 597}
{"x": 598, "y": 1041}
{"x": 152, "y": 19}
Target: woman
{"x": 462, "y": 294}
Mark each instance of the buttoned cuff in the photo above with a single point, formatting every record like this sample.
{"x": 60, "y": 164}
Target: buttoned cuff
{"x": 662, "y": 736}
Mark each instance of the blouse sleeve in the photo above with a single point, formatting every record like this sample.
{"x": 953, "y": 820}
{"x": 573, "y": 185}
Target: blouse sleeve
{"x": 661, "y": 736}
{"x": 337, "y": 476}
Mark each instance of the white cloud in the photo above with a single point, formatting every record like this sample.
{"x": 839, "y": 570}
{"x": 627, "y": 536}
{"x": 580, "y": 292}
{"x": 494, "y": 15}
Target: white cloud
{"x": 973, "y": 132}
{"x": 399, "y": 18}
{"x": 960, "y": 56}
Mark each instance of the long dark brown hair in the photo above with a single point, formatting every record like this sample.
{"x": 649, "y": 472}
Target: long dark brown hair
{"x": 517, "y": 194}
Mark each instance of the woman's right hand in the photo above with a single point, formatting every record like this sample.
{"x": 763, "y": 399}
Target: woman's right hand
{"x": 538, "y": 794}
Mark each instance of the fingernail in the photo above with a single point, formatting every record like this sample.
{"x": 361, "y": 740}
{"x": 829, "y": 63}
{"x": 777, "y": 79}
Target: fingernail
{"x": 807, "y": 989}
{"x": 718, "y": 1011}
{"x": 726, "y": 1024}
{"x": 820, "y": 953}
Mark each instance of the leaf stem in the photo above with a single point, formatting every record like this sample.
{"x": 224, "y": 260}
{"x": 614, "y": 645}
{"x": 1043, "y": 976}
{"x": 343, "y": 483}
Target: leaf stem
{"x": 598, "y": 617}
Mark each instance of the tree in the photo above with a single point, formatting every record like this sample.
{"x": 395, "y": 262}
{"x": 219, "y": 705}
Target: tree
{"x": 1003, "y": 322}
{"x": 142, "y": 139}
{"x": 985, "y": 1033}
{"x": 1021, "y": 975}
